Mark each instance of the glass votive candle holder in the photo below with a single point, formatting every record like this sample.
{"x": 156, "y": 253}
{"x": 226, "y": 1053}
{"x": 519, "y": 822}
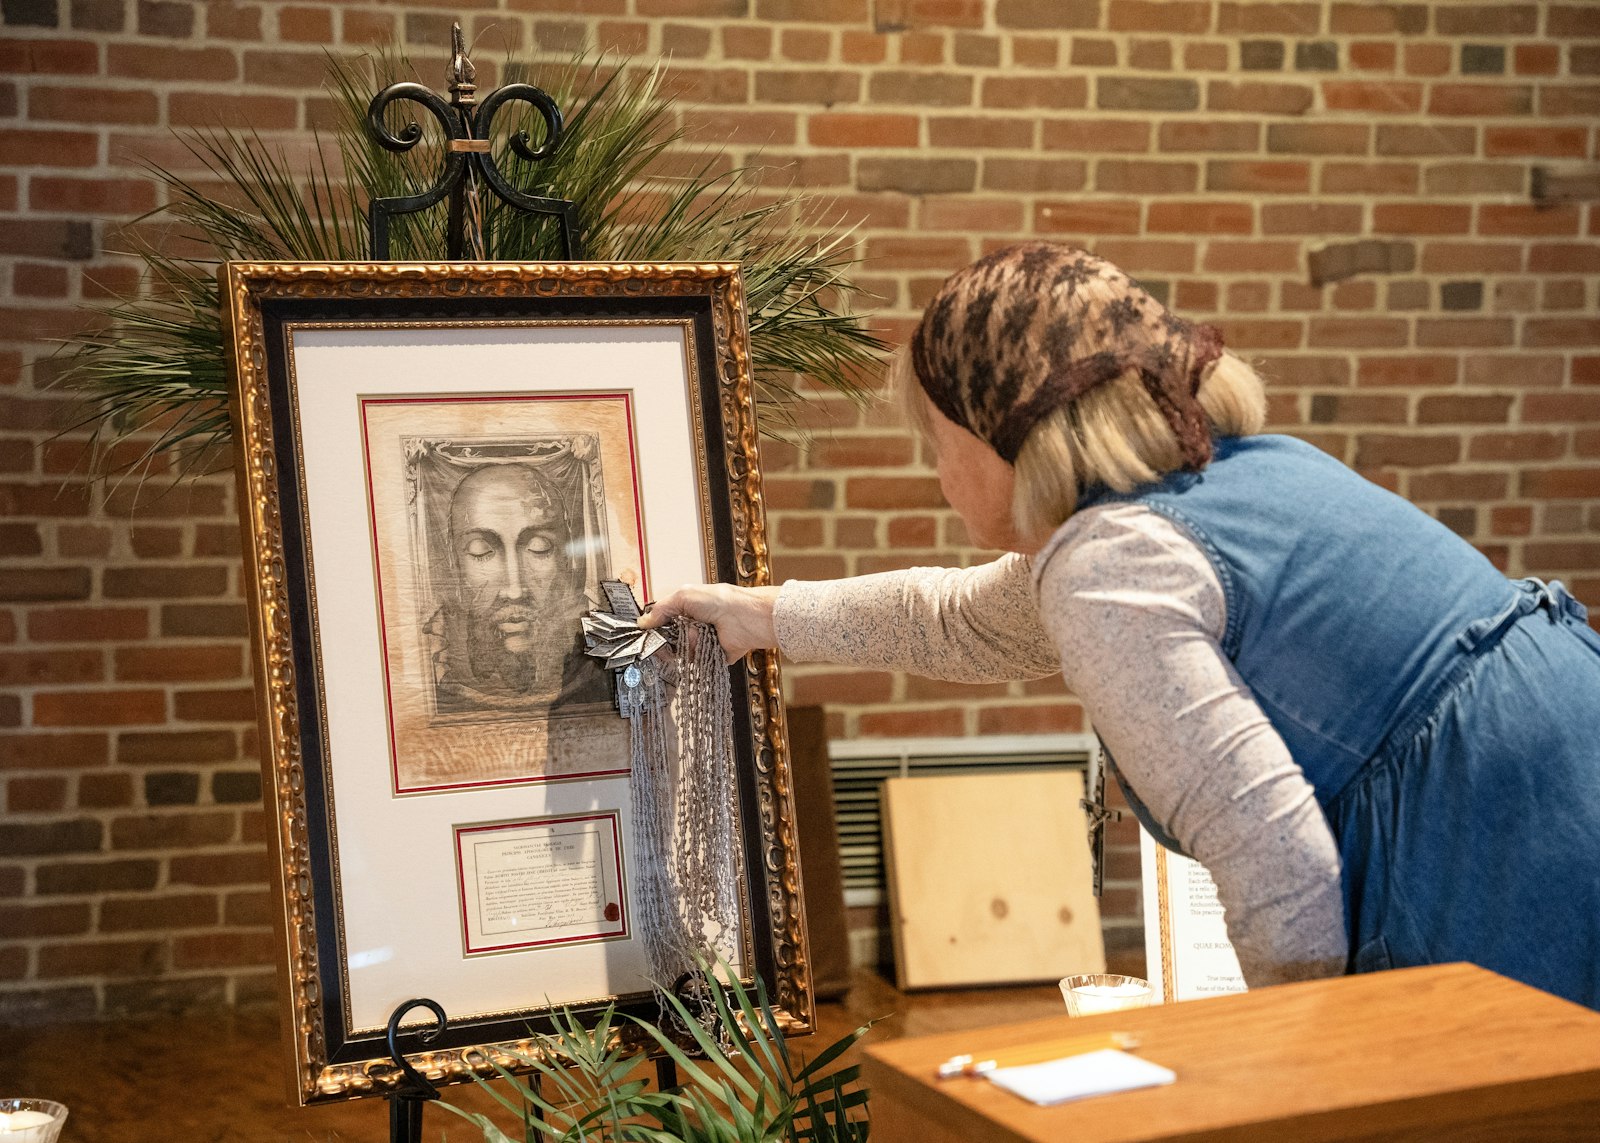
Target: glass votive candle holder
{"x": 31, "y": 1120}
{"x": 1103, "y": 992}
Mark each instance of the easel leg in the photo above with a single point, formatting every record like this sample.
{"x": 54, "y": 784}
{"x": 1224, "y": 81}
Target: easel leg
{"x": 405, "y": 1120}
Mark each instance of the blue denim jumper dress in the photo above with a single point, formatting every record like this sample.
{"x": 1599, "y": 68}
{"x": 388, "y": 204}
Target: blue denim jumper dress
{"x": 1448, "y": 718}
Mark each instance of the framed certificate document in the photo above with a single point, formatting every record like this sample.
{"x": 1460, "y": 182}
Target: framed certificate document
{"x": 1187, "y": 951}
{"x": 533, "y": 884}
{"x": 438, "y": 467}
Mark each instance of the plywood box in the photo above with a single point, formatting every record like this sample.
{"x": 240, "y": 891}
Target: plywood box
{"x": 989, "y": 879}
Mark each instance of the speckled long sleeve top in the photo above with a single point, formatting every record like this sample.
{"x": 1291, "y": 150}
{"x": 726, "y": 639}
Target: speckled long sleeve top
{"x": 1131, "y": 612}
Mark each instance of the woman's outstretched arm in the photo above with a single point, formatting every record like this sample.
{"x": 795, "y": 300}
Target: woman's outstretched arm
{"x": 975, "y": 625}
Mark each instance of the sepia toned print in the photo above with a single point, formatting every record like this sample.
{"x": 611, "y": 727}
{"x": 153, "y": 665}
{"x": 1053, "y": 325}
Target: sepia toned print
{"x": 494, "y": 521}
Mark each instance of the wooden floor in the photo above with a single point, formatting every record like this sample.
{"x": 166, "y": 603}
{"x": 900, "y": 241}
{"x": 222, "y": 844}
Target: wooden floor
{"x": 217, "y": 1077}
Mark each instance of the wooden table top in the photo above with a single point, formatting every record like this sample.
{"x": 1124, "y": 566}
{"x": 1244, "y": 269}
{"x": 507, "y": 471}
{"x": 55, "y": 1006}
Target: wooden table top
{"x": 1404, "y": 1053}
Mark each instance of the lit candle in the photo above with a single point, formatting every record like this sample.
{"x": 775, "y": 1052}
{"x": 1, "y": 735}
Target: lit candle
{"x": 1103, "y": 992}
{"x": 1106, "y": 997}
{"x": 28, "y": 1126}
{"x": 12, "y": 1122}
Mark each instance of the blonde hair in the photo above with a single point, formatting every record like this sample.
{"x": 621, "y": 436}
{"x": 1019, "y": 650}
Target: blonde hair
{"x": 906, "y": 392}
{"x": 1115, "y": 436}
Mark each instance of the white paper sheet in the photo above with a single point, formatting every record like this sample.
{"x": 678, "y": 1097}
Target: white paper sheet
{"x": 1078, "y": 1077}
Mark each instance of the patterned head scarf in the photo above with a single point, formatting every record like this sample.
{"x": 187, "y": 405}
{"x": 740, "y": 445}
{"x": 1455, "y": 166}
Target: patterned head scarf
{"x": 1029, "y": 329}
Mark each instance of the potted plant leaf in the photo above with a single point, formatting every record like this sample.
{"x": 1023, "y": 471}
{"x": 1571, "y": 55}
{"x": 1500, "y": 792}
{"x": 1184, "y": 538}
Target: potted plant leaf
{"x": 743, "y": 1082}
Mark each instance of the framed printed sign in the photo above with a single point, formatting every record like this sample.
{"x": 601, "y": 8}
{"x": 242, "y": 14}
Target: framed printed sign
{"x": 1187, "y": 951}
{"x": 438, "y": 467}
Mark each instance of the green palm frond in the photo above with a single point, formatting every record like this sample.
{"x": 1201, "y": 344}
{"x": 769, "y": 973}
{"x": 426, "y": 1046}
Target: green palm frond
{"x": 740, "y": 1084}
{"x": 748, "y": 1086}
{"x": 154, "y": 372}
{"x": 581, "y": 1088}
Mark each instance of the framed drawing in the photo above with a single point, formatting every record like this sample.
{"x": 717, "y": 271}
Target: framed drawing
{"x": 438, "y": 465}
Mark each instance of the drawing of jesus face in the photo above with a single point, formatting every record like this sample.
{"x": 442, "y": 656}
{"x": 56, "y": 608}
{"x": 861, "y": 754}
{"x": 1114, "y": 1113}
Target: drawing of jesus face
{"x": 516, "y": 582}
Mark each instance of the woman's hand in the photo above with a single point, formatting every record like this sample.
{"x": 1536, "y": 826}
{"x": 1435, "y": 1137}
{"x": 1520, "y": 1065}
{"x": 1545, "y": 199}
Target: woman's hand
{"x": 741, "y": 615}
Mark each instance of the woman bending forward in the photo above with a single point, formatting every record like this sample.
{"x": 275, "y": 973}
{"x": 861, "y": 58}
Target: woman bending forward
{"x": 1384, "y": 752}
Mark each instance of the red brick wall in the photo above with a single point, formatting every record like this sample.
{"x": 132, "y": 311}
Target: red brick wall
{"x": 1210, "y": 147}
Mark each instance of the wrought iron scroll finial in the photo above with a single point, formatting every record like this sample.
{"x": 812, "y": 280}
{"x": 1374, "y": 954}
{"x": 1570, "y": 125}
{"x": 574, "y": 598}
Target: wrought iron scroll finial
{"x": 413, "y": 1089}
{"x": 467, "y": 125}
{"x": 463, "y": 76}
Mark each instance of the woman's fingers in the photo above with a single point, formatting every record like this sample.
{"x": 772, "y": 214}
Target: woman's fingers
{"x": 691, "y": 601}
{"x": 741, "y": 615}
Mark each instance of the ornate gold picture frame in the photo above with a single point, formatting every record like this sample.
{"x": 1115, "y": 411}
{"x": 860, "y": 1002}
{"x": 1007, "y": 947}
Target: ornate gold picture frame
{"x": 437, "y": 466}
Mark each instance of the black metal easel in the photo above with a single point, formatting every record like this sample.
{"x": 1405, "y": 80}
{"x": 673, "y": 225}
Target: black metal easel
{"x": 467, "y": 125}
{"x": 468, "y": 161}
{"x": 414, "y": 1088}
